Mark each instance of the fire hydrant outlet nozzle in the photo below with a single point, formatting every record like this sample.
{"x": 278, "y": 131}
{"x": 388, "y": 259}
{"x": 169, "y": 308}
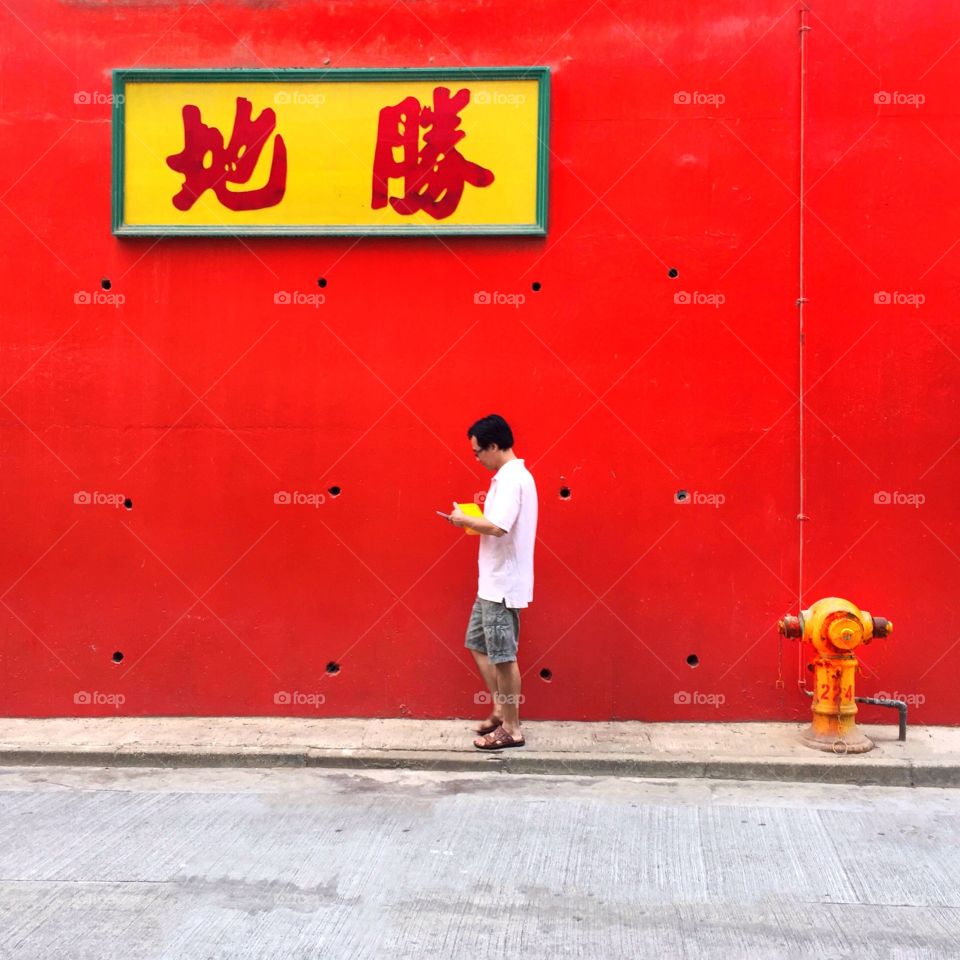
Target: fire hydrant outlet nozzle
{"x": 791, "y": 628}
{"x": 835, "y": 628}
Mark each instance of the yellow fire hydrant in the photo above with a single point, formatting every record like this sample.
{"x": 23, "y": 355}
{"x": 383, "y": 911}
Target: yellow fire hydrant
{"x": 836, "y": 628}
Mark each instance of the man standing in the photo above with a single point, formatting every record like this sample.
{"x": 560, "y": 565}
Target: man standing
{"x": 508, "y": 530}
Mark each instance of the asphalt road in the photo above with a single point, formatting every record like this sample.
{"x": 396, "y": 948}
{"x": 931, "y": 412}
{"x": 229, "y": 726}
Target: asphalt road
{"x": 204, "y": 863}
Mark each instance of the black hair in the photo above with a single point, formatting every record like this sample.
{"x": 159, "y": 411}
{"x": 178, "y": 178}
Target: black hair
{"x": 492, "y": 429}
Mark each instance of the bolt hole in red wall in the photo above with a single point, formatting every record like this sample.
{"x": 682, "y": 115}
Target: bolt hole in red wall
{"x": 693, "y": 660}
{"x": 546, "y": 674}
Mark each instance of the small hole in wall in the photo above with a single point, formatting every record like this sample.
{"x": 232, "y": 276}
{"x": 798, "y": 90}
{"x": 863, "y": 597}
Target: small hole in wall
{"x": 536, "y": 286}
{"x": 564, "y": 493}
{"x": 118, "y": 656}
{"x": 105, "y": 283}
{"x": 334, "y": 491}
{"x": 693, "y": 660}
{"x": 546, "y": 674}
{"x": 322, "y": 282}
{"x": 128, "y": 503}
{"x": 333, "y": 667}
{"x": 673, "y": 273}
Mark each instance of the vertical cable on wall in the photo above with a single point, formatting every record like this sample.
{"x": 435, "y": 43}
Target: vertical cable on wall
{"x": 801, "y": 303}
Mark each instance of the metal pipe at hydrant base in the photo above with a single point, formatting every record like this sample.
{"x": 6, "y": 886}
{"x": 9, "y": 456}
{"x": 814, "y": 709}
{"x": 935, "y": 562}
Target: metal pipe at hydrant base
{"x": 835, "y": 628}
{"x": 899, "y": 705}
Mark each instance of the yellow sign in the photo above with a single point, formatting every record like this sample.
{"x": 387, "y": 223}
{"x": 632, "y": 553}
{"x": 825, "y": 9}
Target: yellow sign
{"x": 330, "y": 152}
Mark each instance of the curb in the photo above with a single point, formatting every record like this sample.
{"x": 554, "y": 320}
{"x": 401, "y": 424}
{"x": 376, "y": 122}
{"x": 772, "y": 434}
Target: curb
{"x": 842, "y": 770}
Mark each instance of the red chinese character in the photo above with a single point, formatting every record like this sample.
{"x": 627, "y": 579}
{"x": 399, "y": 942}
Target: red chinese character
{"x": 433, "y": 177}
{"x": 234, "y": 163}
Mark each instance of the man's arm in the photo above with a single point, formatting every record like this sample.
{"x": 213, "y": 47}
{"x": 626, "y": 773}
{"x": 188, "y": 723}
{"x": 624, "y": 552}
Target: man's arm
{"x": 478, "y": 524}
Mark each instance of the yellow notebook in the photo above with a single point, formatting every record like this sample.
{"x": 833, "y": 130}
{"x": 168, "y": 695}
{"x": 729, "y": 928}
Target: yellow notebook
{"x": 471, "y": 509}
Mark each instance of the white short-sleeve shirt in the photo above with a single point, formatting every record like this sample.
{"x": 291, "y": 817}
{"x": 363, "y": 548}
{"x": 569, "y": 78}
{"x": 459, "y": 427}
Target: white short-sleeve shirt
{"x": 506, "y": 563}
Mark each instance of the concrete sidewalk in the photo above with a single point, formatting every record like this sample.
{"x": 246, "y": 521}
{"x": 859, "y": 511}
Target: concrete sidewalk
{"x": 729, "y": 751}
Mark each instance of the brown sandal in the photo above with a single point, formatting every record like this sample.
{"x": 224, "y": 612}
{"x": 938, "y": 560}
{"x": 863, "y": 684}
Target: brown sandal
{"x": 499, "y": 740}
{"x": 488, "y": 727}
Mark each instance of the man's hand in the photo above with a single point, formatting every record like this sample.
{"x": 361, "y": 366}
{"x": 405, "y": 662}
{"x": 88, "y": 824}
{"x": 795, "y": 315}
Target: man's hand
{"x": 457, "y": 517}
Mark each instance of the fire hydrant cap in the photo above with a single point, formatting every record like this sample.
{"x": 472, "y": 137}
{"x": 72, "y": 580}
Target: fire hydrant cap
{"x": 845, "y": 632}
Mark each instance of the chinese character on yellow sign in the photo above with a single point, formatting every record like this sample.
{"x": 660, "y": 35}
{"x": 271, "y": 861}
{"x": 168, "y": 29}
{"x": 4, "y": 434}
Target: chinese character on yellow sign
{"x": 233, "y": 163}
{"x": 330, "y": 152}
{"x": 433, "y": 178}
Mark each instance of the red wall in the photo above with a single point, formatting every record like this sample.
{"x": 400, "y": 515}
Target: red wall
{"x": 198, "y": 398}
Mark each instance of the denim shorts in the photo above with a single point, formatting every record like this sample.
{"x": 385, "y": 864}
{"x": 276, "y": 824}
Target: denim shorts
{"x": 494, "y": 629}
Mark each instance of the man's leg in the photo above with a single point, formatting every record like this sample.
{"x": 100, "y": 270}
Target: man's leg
{"x": 488, "y": 673}
{"x": 508, "y": 685}
{"x": 476, "y": 643}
